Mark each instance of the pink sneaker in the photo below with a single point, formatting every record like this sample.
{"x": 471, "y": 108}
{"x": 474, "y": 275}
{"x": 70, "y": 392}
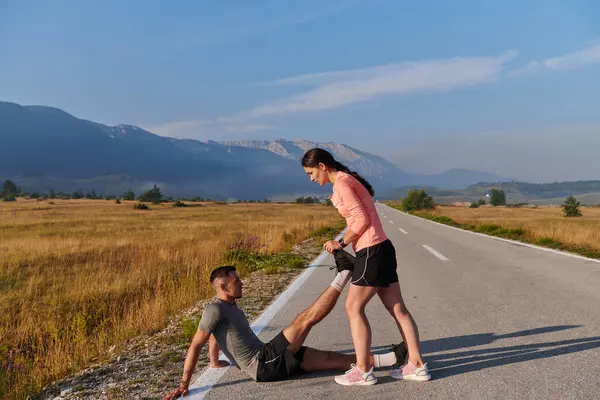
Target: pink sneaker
{"x": 409, "y": 372}
{"x": 355, "y": 376}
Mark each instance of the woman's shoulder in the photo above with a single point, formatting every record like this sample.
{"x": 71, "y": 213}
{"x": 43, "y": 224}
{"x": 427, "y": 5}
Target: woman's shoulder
{"x": 344, "y": 179}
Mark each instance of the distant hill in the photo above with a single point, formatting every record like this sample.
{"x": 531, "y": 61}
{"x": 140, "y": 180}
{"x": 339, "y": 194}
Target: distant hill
{"x": 588, "y": 192}
{"x": 590, "y": 199}
{"x": 385, "y": 174}
{"x": 46, "y": 148}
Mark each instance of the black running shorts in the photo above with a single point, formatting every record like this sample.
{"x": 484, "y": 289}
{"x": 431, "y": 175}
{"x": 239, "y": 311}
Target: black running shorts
{"x": 276, "y": 363}
{"x": 376, "y": 265}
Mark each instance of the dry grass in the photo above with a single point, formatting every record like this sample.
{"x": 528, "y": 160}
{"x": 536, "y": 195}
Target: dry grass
{"x": 79, "y": 276}
{"x": 539, "y": 223}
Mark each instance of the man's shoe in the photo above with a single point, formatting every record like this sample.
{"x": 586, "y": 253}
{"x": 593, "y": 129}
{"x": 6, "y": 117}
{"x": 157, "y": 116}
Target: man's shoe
{"x": 355, "y": 376}
{"x": 343, "y": 261}
{"x": 411, "y": 373}
{"x": 401, "y": 355}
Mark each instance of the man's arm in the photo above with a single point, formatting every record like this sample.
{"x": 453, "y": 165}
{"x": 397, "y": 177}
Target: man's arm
{"x": 213, "y": 354}
{"x": 199, "y": 340}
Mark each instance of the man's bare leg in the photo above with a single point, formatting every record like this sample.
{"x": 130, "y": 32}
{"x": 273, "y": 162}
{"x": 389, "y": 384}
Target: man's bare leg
{"x": 319, "y": 360}
{"x": 298, "y": 330}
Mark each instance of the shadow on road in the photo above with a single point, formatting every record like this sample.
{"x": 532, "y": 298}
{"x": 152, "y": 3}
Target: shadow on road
{"x": 445, "y": 365}
{"x": 460, "y": 362}
{"x": 445, "y": 361}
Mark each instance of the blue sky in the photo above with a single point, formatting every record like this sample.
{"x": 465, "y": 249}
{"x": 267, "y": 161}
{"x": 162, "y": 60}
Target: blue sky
{"x": 509, "y": 87}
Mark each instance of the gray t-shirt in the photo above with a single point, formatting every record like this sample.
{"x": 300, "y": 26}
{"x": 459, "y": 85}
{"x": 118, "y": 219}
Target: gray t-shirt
{"x": 232, "y": 330}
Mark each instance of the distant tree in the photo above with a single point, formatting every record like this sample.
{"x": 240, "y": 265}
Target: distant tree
{"x": 35, "y": 195}
{"x": 328, "y": 202}
{"x": 571, "y": 207}
{"x": 78, "y": 194}
{"x": 474, "y": 205}
{"x": 9, "y": 187}
{"x": 417, "y": 199}
{"x": 51, "y": 194}
{"x": 153, "y": 195}
{"x": 91, "y": 194}
{"x": 128, "y": 195}
{"x": 498, "y": 197}
{"x": 481, "y": 202}
{"x": 307, "y": 200}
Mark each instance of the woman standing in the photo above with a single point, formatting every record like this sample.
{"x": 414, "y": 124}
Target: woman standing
{"x": 376, "y": 272}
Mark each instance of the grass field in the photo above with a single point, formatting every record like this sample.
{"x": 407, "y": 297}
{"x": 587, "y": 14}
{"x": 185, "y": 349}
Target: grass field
{"x": 545, "y": 226}
{"x": 78, "y": 276}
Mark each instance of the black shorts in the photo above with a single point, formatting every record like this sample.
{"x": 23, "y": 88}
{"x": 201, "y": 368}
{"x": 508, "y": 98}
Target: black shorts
{"x": 276, "y": 363}
{"x": 376, "y": 265}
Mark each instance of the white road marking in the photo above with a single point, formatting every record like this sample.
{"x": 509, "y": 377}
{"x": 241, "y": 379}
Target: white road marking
{"x": 435, "y": 253}
{"x": 391, "y": 222}
{"x": 531, "y": 246}
{"x": 403, "y": 231}
{"x": 211, "y": 376}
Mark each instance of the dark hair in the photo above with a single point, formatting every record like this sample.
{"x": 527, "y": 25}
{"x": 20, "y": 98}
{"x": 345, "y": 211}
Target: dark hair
{"x": 313, "y": 157}
{"x": 221, "y": 272}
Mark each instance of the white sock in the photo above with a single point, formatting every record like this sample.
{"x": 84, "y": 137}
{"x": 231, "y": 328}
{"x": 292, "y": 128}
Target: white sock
{"x": 385, "y": 360}
{"x": 341, "y": 279}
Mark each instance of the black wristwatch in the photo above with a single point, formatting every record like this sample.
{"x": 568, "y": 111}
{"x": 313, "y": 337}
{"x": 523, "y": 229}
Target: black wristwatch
{"x": 341, "y": 242}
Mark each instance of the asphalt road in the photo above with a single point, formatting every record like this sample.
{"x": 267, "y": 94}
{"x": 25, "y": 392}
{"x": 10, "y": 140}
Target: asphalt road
{"x": 497, "y": 321}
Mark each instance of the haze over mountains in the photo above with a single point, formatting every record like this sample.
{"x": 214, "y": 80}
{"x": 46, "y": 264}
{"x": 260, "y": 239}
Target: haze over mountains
{"x": 46, "y": 148}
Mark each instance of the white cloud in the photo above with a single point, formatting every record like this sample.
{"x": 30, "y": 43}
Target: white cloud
{"x": 177, "y": 129}
{"x": 577, "y": 59}
{"x": 339, "y": 88}
{"x": 198, "y": 128}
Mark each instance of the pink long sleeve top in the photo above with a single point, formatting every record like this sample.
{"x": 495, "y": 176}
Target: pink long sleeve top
{"x": 356, "y": 205}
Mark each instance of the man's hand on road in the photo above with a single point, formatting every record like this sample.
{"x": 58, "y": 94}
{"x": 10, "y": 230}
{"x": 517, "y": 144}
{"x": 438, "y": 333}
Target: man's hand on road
{"x": 180, "y": 391}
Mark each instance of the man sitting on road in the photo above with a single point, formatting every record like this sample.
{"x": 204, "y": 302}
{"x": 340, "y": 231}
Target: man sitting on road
{"x": 284, "y": 356}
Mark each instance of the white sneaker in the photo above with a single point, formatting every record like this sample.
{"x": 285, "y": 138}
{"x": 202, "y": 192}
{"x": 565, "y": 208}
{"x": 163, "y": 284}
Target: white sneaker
{"x": 409, "y": 372}
{"x": 354, "y": 376}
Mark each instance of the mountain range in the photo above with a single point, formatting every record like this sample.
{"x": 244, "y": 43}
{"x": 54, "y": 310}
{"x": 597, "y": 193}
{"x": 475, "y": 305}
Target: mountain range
{"x": 45, "y": 148}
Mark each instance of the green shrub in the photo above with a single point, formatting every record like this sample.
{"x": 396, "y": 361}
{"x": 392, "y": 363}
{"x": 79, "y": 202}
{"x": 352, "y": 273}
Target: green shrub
{"x": 571, "y": 207}
{"x": 498, "y": 197}
{"x": 189, "y": 326}
{"x": 8, "y": 197}
{"x": 417, "y": 199}
{"x": 548, "y": 242}
{"x": 140, "y": 206}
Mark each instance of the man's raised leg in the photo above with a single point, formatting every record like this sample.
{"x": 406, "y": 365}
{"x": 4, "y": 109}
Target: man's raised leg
{"x": 298, "y": 330}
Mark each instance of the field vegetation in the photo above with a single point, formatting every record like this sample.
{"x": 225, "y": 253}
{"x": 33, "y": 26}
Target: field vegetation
{"x": 79, "y": 276}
